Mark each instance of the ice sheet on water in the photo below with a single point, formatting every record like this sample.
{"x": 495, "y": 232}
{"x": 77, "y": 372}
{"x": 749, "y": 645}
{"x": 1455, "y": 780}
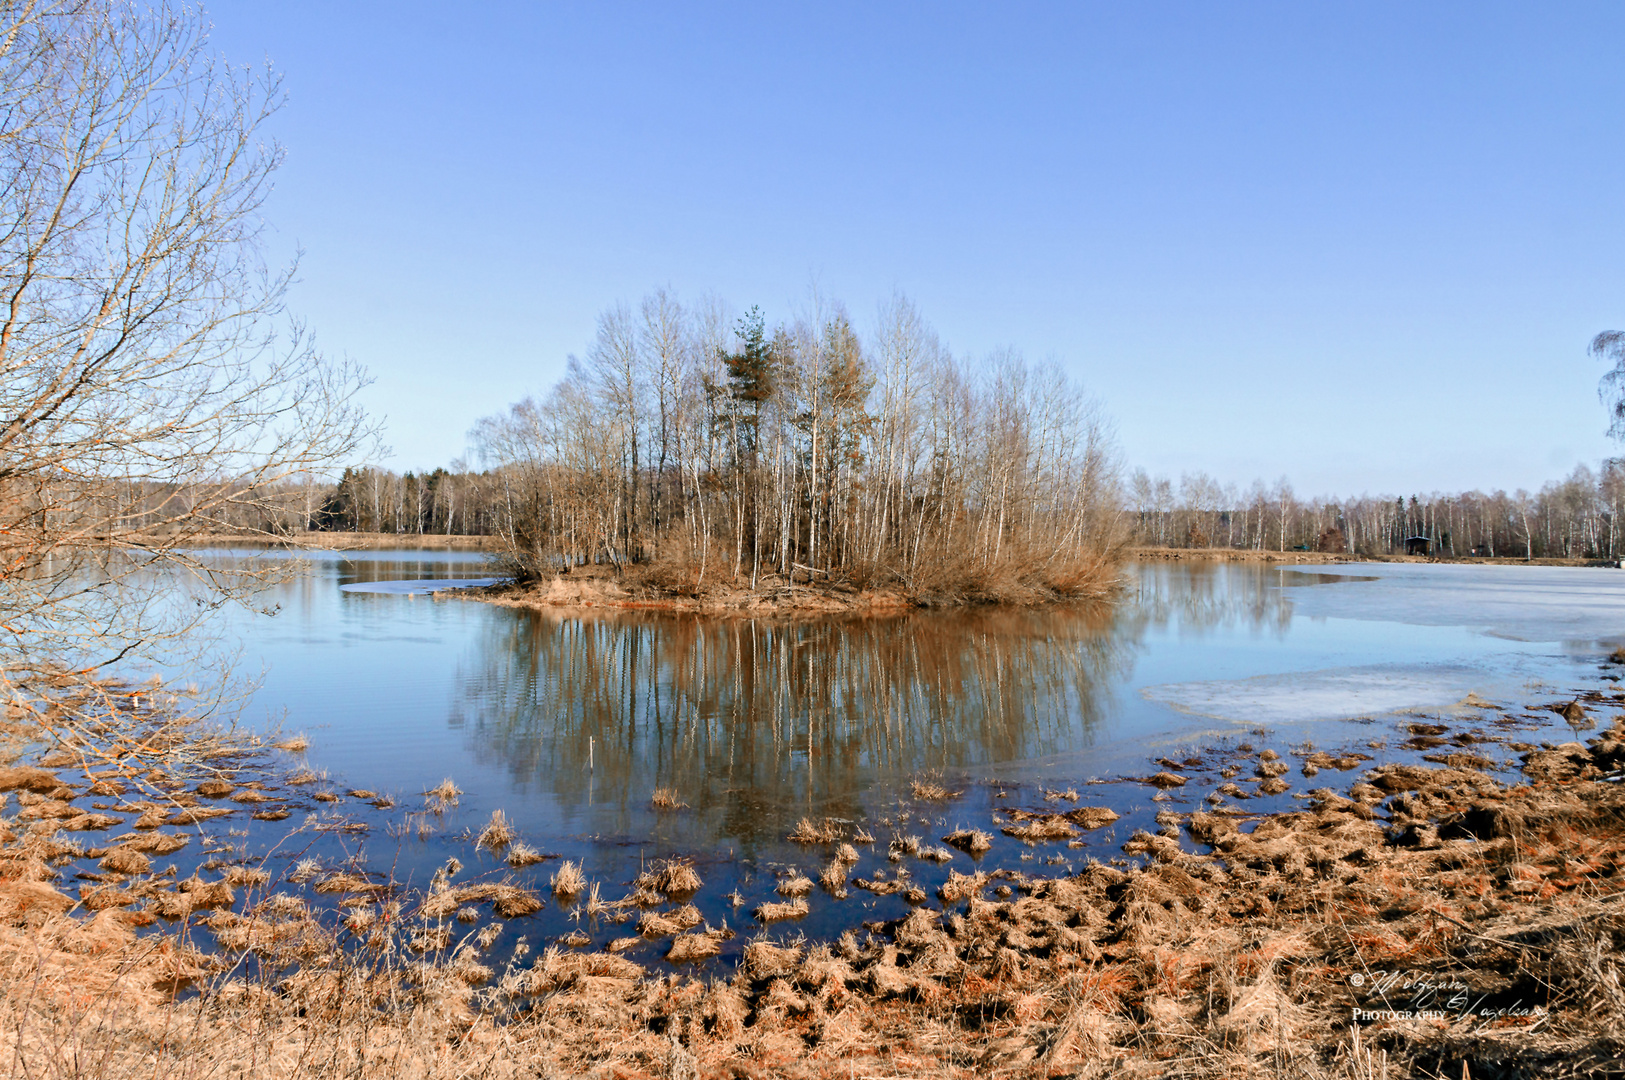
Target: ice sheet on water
{"x": 1522, "y": 603}
{"x": 1332, "y": 694}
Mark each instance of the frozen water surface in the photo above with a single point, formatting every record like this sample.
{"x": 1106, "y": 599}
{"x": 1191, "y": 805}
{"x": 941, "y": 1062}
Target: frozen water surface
{"x": 1407, "y": 637}
{"x": 1585, "y": 605}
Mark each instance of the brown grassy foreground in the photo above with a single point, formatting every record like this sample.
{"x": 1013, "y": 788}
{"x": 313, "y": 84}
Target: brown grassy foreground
{"x": 1249, "y": 960}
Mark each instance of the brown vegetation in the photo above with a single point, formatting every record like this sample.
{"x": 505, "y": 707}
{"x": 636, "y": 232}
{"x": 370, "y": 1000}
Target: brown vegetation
{"x": 665, "y": 798}
{"x": 1242, "y": 960}
{"x": 497, "y": 834}
{"x": 684, "y": 455}
{"x": 568, "y": 880}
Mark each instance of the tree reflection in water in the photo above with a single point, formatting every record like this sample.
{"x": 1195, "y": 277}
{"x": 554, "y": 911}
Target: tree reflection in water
{"x": 753, "y": 721}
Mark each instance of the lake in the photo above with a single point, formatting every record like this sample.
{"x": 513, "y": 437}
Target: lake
{"x": 569, "y": 721}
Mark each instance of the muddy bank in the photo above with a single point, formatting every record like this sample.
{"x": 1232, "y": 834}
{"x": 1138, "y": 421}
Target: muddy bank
{"x": 1424, "y": 917}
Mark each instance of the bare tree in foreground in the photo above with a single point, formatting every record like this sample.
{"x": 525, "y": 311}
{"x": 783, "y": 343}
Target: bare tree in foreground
{"x": 149, "y": 388}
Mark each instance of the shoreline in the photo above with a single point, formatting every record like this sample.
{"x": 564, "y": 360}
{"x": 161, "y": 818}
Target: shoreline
{"x": 350, "y": 541}
{"x": 353, "y": 541}
{"x": 589, "y": 588}
{"x": 1237, "y": 934}
{"x": 1152, "y": 554}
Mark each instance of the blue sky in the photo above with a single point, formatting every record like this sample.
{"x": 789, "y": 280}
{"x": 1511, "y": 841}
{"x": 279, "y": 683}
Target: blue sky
{"x": 1360, "y": 245}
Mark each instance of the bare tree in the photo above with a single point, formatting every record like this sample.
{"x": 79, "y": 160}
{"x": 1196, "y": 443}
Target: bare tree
{"x": 802, "y": 449}
{"x": 150, "y": 389}
{"x": 1610, "y": 345}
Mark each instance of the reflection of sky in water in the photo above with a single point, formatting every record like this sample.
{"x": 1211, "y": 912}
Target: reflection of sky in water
{"x": 756, "y": 722}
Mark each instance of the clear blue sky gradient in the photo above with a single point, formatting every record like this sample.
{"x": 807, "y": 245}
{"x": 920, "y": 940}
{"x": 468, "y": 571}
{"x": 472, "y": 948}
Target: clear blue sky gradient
{"x": 1362, "y": 245}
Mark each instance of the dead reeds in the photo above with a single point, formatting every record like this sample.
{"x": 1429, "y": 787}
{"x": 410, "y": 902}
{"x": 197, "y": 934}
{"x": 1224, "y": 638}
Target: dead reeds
{"x": 808, "y": 831}
{"x": 1239, "y": 962}
{"x": 568, "y": 881}
{"x": 771, "y": 912}
{"x": 523, "y": 855}
{"x": 443, "y": 795}
{"x": 929, "y": 790}
{"x": 970, "y": 841}
{"x": 671, "y": 877}
{"x": 665, "y": 799}
{"x": 497, "y": 834}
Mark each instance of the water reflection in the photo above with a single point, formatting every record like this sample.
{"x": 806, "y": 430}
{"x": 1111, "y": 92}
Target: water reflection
{"x": 1204, "y": 597}
{"x": 740, "y": 715}
{"x": 757, "y": 720}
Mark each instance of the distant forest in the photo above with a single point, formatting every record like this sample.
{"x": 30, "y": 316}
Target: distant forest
{"x": 1579, "y": 517}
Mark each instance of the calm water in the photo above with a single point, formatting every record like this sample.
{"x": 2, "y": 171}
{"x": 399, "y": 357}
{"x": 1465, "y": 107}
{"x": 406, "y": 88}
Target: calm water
{"x": 568, "y": 723}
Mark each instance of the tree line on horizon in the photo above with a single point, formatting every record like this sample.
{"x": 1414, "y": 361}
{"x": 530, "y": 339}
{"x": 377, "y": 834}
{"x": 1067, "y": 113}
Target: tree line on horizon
{"x": 1580, "y": 516}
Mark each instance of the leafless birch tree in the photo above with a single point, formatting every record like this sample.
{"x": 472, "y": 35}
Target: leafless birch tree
{"x": 151, "y": 387}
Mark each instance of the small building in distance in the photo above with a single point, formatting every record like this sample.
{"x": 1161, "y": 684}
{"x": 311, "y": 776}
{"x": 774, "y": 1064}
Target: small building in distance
{"x": 1418, "y": 545}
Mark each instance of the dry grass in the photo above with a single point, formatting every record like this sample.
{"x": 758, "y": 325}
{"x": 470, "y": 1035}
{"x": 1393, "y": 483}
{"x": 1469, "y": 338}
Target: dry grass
{"x": 688, "y": 948}
{"x": 961, "y": 887}
{"x": 1041, "y": 828}
{"x": 443, "y": 795}
{"x": 665, "y": 799}
{"x": 126, "y": 860}
{"x": 777, "y": 912}
{"x": 568, "y": 881}
{"x": 970, "y": 841}
{"x": 497, "y": 834}
{"x": 523, "y": 855}
{"x": 797, "y": 885}
{"x": 930, "y": 791}
{"x": 833, "y": 878}
{"x": 808, "y": 831}
{"x": 293, "y": 744}
{"x": 671, "y": 877}
{"x": 1238, "y": 963}
{"x": 656, "y": 924}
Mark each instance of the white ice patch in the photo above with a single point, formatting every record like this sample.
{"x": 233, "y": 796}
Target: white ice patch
{"x": 1335, "y": 694}
{"x": 1520, "y": 603}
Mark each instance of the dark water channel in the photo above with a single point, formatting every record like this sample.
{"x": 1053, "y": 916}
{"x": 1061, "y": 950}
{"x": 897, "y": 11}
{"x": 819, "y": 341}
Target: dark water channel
{"x": 568, "y": 722}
